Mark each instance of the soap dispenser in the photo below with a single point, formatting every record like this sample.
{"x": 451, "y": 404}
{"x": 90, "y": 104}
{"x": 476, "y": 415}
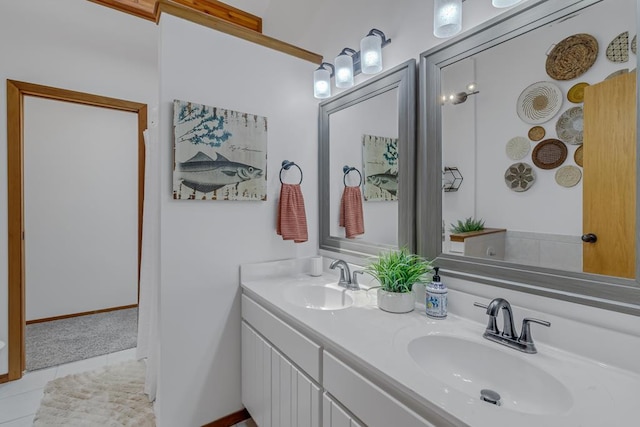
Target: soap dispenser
{"x": 436, "y": 297}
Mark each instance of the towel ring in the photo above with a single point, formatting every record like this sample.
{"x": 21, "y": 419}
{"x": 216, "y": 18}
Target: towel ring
{"x": 286, "y": 165}
{"x": 346, "y": 169}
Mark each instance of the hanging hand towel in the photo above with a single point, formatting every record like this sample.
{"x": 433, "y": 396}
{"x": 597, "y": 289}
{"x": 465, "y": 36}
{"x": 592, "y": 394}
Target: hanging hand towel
{"x": 292, "y": 219}
{"x": 351, "y": 212}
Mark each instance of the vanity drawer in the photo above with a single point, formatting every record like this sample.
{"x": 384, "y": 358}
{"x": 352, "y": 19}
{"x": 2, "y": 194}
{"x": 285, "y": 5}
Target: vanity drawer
{"x": 301, "y": 350}
{"x": 366, "y": 400}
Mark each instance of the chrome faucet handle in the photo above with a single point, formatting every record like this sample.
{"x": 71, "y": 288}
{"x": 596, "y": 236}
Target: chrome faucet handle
{"x": 525, "y": 334}
{"x": 492, "y": 326}
{"x": 354, "y": 282}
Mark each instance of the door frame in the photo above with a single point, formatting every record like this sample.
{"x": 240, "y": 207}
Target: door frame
{"x": 16, "y": 91}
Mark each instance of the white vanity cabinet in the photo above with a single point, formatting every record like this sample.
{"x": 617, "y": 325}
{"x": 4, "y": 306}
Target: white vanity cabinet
{"x": 333, "y": 415}
{"x": 282, "y": 384}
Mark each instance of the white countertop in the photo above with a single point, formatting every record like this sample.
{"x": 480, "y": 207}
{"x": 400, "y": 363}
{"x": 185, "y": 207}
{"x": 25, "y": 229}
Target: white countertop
{"x": 376, "y": 342}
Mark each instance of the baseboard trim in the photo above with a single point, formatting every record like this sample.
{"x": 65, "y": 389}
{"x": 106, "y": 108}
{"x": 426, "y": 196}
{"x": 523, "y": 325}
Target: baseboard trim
{"x": 68, "y": 316}
{"x": 4, "y": 378}
{"x": 230, "y": 419}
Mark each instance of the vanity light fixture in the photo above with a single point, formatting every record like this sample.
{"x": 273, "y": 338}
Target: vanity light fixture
{"x": 349, "y": 63}
{"x": 447, "y": 15}
{"x": 344, "y": 68}
{"x": 322, "y": 81}
{"x": 460, "y": 97}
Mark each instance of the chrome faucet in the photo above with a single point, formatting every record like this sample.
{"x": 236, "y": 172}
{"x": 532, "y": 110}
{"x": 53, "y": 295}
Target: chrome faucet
{"x": 508, "y": 335}
{"x": 345, "y": 274}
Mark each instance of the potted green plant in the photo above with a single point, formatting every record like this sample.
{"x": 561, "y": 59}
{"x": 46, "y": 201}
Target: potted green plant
{"x": 469, "y": 224}
{"x": 397, "y": 272}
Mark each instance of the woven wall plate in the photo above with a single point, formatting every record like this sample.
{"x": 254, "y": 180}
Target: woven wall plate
{"x": 576, "y": 93}
{"x": 539, "y": 102}
{"x": 568, "y": 176}
{"x": 634, "y": 44}
{"x": 549, "y": 154}
{"x": 518, "y": 147}
{"x": 572, "y": 57}
{"x": 577, "y": 156}
{"x": 569, "y": 126}
{"x": 536, "y": 133}
{"x": 618, "y": 49}
{"x": 519, "y": 177}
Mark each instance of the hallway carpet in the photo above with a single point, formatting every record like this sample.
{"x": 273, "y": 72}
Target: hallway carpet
{"x": 67, "y": 340}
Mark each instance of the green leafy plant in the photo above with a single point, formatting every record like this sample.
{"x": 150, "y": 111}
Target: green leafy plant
{"x": 469, "y": 224}
{"x": 397, "y": 271}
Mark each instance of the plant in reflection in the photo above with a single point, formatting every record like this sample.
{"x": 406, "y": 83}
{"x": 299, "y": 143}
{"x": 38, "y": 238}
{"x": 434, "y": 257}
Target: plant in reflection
{"x": 469, "y": 224}
{"x": 397, "y": 271}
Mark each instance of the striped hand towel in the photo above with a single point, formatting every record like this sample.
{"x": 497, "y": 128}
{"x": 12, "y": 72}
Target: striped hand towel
{"x": 351, "y": 212}
{"x": 292, "y": 219}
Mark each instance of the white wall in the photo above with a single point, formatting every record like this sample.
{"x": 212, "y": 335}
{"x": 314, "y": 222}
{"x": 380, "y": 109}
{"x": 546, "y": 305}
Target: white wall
{"x": 80, "y": 207}
{"x": 71, "y": 44}
{"x": 204, "y": 242}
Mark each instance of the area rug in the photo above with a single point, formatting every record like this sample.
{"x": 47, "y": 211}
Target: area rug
{"x": 111, "y": 396}
{"x": 67, "y": 340}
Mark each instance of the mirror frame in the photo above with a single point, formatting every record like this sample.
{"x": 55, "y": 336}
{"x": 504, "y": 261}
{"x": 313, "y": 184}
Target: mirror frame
{"x": 611, "y": 293}
{"x": 403, "y": 78}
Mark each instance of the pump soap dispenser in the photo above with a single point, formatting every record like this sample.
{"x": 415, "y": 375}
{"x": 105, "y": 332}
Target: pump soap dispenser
{"x": 436, "y": 301}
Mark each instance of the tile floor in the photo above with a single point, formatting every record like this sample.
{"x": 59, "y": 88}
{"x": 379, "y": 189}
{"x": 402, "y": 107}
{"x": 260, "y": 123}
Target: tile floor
{"x": 20, "y": 400}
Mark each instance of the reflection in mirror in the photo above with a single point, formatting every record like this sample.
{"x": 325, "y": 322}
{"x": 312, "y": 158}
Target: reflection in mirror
{"x": 547, "y": 150}
{"x": 370, "y": 128}
{"x": 365, "y": 136}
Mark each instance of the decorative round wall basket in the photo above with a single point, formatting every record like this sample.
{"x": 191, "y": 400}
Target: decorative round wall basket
{"x": 634, "y": 44}
{"x": 519, "y": 177}
{"x": 536, "y": 133}
{"x": 570, "y": 125}
{"x": 576, "y": 93}
{"x": 568, "y": 176}
{"x": 518, "y": 147}
{"x": 549, "y": 154}
{"x": 618, "y": 49}
{"x": 539, "y": 102}
{"x": 577, "y": 156}
{"x": 572, "y": 57}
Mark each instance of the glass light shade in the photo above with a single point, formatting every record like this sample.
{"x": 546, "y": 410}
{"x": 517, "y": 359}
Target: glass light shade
{"x": 321, "y": 83}
{"x": 504, "y": 3}
{"x": 344, "y": 70}
{"x": 371, "y": 54}
{"x": 447, "y": 18}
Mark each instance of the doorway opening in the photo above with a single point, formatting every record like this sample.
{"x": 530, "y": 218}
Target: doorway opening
{"x": 16, "y": 93}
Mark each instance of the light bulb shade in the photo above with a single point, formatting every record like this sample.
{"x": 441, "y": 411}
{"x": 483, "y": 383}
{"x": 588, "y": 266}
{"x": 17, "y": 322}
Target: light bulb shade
{"x": 371, "y": 54}
{"x": 504, "y": 3}
{"x": 344, "y": 70}
{"x": 322, "y": 83}
{"x": 447, "y": 18}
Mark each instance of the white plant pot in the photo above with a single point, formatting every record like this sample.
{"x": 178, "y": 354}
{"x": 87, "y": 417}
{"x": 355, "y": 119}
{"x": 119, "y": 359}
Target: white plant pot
{"x": 395, "y": 302}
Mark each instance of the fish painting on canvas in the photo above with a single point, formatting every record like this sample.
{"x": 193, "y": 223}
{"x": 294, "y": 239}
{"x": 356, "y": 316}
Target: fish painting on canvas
{"x": 219, "y": 154}
{"x": 380, "y": 160}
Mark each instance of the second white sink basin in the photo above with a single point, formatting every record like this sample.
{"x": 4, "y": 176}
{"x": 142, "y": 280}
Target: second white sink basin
{"x": 470, "y": 367}
{"x": 318, "y": 297}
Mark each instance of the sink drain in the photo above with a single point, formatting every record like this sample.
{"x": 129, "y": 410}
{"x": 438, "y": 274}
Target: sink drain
{"x": 490, "y": 396}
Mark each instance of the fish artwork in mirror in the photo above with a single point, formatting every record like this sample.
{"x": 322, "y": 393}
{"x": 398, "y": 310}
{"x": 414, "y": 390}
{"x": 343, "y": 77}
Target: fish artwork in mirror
{"x": 371, "y": 128}
{"x": 555, "y": 91}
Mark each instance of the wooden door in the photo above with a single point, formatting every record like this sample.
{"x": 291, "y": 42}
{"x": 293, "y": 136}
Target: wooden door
{"x": 609, "y": 181}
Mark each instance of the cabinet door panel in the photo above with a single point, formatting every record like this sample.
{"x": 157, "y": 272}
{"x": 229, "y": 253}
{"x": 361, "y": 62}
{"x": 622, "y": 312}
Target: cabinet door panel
{"x": 334, "y": 416}
{"x": 256, "y": 376}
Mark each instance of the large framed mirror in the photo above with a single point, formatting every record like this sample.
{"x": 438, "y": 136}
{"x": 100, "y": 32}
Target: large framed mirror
{"x": 367, "y": 140}
{"x": 546, "y": 141}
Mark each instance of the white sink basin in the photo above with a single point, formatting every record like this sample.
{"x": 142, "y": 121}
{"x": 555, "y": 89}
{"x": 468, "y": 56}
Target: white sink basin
{"x": 318, "y": 297}
{"x": 470, "y": 366}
